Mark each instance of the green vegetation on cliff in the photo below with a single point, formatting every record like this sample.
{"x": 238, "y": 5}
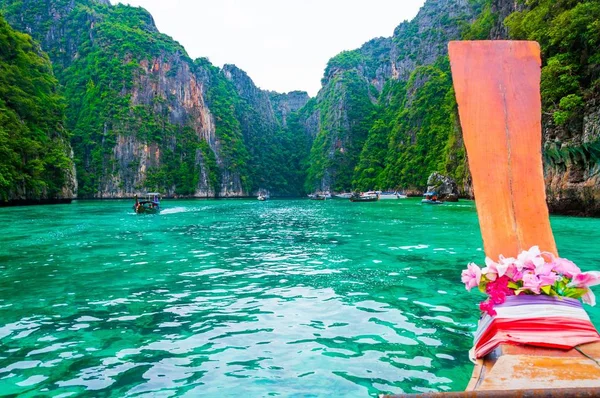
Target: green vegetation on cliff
{"x": 401, "y": 123}
{"x": 569, "y": 35}
{"x": 415, "y": 133}
{"x": 419, "y": 140}
{"x": 34, "y": 149}
{"x": 415, "y": 129}
{"x": 338, "y": 144}
{"x": 145, "y": 116}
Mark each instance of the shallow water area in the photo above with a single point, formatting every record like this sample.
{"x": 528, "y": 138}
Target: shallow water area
{"x": 223, "y": 297}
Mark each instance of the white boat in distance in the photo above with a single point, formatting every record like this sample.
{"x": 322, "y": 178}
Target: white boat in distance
{"x": 390, "y": 195}
{"x": 263, "y": 195}
{"x": 344, "y": 195}
{"x": 320, "y": 195}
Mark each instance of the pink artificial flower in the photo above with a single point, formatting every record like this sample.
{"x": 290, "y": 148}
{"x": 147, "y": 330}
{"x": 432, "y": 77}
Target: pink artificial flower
{"x": 589, "y": 298}
{"x": 585, "y": 279}
{"x": 565, "y": 267}
{"x": 549, "y": 279}
{"x": 544, "y": 269}
{"x": 487, "y": 306}
{"x": 471, "y": 276}
{"x": 491, "y": 269}
{"x": 498, "y": 290}
{"x": 513, "y": 273}
{"x": 531, "y": 282}
{"x": 530, "y": 259}
{"x": 503, "y": 265}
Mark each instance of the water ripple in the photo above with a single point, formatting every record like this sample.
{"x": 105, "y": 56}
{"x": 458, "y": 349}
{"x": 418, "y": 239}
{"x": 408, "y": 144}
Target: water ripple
{"x": 212, "y": 298}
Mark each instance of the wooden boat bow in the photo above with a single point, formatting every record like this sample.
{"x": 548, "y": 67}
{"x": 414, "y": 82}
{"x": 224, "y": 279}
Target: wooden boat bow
{"x": 497, "y": 86}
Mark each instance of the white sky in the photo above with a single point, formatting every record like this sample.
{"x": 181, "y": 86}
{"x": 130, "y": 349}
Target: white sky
{"x": 283, "y": 45}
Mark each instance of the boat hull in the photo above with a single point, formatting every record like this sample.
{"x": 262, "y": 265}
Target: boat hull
{"x": 146, "y": 210}
{"x": 391, "y": 196}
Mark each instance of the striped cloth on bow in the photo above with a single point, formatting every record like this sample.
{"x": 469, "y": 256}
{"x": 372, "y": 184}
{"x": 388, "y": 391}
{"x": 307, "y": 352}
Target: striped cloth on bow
{"x": 538, "y": 320}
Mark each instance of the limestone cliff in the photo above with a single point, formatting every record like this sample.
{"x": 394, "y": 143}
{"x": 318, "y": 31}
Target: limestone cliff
{"x": 144, "y": 116}
{"x": 357, "y": 87}
{"x": 287, "y": 104}
{"x": 275, "y": 153}
{"x": 36, "y": 164}
{"x": 570, "y": 94}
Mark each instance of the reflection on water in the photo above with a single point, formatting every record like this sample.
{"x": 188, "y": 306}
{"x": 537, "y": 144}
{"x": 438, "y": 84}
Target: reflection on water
{"x": 210, "y": 298}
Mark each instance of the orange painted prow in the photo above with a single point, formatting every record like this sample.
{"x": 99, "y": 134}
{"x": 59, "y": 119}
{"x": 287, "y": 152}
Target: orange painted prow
{"x": 497, "y": 86}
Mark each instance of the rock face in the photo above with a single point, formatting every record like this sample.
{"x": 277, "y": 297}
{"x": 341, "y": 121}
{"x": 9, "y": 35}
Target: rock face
{"x": 573, "y": 183}
{"x": 571, "y": 149}
{"x": 573, "y": 191}
{"x": 444, "y": 186}
{"x": 502, "y": 9}
{"x": 144, "y": 116}
{"x": 286, "y": 104}
{"x": 357, "y": 83}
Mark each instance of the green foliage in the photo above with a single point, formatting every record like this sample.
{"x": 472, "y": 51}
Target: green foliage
{"x": 98, "y": 56}
{"x": 224, "y": 102}
{"x": 559, "y": 156}
{"x": 345, "y": 60}
{"x": 480, "y": 29}
{"x": 369, "y": 171}
{"x": 570, "y": 106}
{"x": 419, "y": 139}
{"x": 102, "y": 53}
{"x": 335, "y": 152}
{"x": 569, "y": 34}
{"x": 34, "y": 159}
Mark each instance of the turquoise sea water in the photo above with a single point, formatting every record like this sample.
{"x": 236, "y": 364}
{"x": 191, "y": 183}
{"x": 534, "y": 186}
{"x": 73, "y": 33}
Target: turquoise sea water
{"x": 241, "y": 297}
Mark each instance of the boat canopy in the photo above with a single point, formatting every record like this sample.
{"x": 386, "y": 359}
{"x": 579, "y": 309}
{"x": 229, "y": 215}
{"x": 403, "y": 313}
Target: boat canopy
{"x": 429, "y": 193}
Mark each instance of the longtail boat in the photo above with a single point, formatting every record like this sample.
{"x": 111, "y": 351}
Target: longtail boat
{"x": 150, "y": 205}
{"x": 497, "y": 85}
{"x": 531, "y": 344}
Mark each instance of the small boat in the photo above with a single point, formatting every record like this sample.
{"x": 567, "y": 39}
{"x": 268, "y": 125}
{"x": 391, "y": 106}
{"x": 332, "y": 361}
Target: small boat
{"x": 387, "y": 195}
{"x": 364, "y": 197}
{"x": 150, "y": 205}
{"x": 263, "y": 195}
{"x": 317, "y": 196}
{"x": 431, "y": 198}
{"x": 344, "y": 195}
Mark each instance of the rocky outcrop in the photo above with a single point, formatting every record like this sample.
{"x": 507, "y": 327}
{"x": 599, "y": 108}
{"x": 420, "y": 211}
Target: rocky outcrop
{"x": 286, "y": 104}
{"x": 341, "y": 110}
{"x": 502, "y": 9}
{"x": 574, "y": 191}
{"x": 248, "y": 91}
{"x": 444, "y": 186}
{"x": 573, "y": 180}
{"x": 144, "y": 115}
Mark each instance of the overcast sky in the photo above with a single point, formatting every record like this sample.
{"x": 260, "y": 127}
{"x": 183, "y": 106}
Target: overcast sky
{"x": 283, "y": 45}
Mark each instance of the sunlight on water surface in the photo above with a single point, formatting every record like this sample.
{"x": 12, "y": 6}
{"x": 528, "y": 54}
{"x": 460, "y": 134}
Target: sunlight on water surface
{"x": 219, "y": 298}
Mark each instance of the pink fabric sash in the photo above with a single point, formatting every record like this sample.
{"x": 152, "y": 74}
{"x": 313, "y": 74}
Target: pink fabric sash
{"x": 537, "y": 320}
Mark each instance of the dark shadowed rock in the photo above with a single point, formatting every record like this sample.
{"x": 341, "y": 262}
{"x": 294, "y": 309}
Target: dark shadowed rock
{"x": 445, "y": 187}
